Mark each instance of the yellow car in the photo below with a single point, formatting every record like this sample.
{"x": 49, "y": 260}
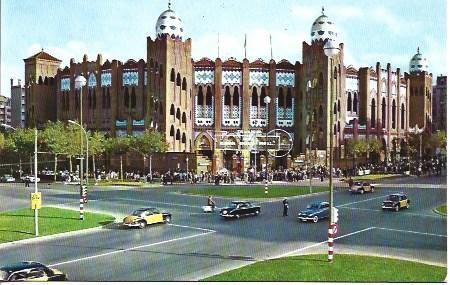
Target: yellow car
{"x": 146, "y": 216}
{"x": 30, "y": 271}
{"x": 362, "y": 187}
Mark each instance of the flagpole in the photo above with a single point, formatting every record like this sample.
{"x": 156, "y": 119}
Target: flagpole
{"x": 245, "y": 46}
{"x": 271, "y": 52}
{"x": 218, "y": 45}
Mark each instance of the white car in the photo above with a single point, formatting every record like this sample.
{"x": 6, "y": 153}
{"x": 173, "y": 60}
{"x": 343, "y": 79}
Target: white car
{"x": 30, "y": 178}
{"x": 7, "y": 179}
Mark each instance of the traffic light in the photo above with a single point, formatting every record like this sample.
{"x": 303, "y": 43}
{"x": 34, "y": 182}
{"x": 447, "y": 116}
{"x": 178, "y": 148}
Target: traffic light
{"x": 335, "y": 215}
{"x": 84, "y": 194}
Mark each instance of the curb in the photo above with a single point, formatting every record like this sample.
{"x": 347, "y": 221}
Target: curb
{"x": 50, "y": 237}
{"x": 439, "y": 213}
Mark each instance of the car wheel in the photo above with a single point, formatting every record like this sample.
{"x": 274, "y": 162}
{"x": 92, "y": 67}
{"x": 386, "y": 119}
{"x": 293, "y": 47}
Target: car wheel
{"x": 396, "y": 208}
{"x": 256, "y": 213}
{"x": 315, "y": 219}
{"x": 407, "y": 206}
{"x": 372, "y": 189}
{"x": 167, "y": 219}
{"x": 361, "y": 191}
{"x": 142, "y": 224}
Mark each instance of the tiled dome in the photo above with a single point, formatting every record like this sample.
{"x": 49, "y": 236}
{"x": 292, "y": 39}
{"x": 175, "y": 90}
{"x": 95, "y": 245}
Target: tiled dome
{"x": 418, "y": 63}
{"x": 323, "y": 28}
{"x": 169, "y": 24}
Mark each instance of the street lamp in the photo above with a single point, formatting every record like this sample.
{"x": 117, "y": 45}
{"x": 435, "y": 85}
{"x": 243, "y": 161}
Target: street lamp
{"x": 80, "y": 81}
{"x": 36, "y": 224}
{"x": 418, "y": 131}
{"x": 331, "y": 49}
{"x": 308, "y": 94}
{"x": 187, "y": 167}
{"x": 87, "y": 147}
{"x": 266, "y": 187}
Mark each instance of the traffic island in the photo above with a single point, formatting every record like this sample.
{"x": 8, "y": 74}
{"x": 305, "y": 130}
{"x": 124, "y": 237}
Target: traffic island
{"x": 441, "y": 210}
{"x": 19, "y": 224}
{"x": 257, "y": 191}
{"x": 345, "y": 268}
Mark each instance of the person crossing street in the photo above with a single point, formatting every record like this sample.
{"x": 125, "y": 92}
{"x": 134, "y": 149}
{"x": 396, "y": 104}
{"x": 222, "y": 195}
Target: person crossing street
{"x": 285, "y": 207}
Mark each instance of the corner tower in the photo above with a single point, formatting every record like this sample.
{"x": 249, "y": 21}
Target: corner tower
{"x": 420, "y": 103}
{"x": 169, "y": 66}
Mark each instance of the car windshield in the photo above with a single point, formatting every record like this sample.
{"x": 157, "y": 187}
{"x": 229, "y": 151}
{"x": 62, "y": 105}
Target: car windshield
{"x": 138, "y": 212}
{"x": 357, "y": 184}
{"x": 3, "y": 275}
{"x": 233, "y": 205}
{"x": 313, "y": 206}
{"x": 393, "y": 198}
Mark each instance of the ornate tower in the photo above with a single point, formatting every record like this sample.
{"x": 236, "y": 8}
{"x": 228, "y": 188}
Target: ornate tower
{"x": 420, "y": 103}
{"x": 169, "y": 65}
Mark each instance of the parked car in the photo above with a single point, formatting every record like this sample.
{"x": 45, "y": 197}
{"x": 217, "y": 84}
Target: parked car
{"x": 30, "y": 271}
{"x": 315, "y": 212}
{"x": 30, "y": 178}
{"x": 7, "y": 179}
{"x": 362, "y": 187}
{"x": 146, "y": 216}
{"x": 237, "y": 209}
{"x": 396, "y": 202}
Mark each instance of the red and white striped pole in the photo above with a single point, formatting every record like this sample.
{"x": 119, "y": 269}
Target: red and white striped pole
{"x": 81, "y": 206}
{"x": 330, "y": 243}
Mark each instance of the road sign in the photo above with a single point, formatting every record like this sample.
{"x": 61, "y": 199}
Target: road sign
{"x": 36, "y": 201}
{"x": 335, "y": 228}
{"x": 335, "y": 215}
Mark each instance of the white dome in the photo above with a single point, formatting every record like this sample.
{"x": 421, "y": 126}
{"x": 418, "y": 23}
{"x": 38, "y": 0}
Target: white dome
{"x": 323, "y": 28}
{"x": 418, "y": 63}
{"x": 169, "y": 24}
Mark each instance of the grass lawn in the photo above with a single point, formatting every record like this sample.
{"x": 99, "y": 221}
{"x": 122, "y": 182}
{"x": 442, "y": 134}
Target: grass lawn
{"x": 442, "y": 210}
{"x": 345, "y": 268}
{"x": 254, "y": 191}
{"x": 19, "y": 224}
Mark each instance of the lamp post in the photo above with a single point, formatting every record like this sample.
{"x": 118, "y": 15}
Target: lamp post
{"x": 266, "y": 187}
{"x": 418, "y": 131}
{"x": 187, "y": 167}
{"x": 331, "y": 49}
{"x": 310, "y": 119}
{"x": 87, "y": 147}
{"x": 80, "y": 81}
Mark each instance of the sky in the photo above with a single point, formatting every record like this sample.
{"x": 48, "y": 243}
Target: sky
{"x": 372, "y": 31}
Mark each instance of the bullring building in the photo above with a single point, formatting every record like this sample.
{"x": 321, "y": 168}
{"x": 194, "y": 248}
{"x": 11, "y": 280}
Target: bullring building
{"x": 208, "y": 109}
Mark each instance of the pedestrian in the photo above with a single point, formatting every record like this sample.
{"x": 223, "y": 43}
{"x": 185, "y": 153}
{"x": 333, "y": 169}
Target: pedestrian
{"x": 27, "y": 182}
{"x": 285, "y": 207}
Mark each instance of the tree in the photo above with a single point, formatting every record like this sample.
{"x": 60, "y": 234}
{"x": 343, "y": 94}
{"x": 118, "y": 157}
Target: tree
{"x": 96, "y": 146}
{"x": 2, "y": 141}
{"x": 374, "y": 146}
{"x": 120, "y": 146}
{"x": 21, "y": 141}
{"x": 56, "y": 139}
{"x": 73, "y": 145}
{"x": 148, "y": 143}
{"x": 356, "y": 148}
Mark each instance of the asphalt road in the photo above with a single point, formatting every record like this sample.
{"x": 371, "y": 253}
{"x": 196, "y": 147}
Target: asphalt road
{"x": 197, "y": 245}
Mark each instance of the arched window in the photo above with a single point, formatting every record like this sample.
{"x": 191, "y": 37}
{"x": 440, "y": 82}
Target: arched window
{"x": 183, "y": 118}
{"x": 208, "y": 96}
{"x": 372, "y": 114}
{"x": 94, "y": 100}
{"x": 151, "y": 64}
{"x": 349, "y": 102}
{"x": 320, "y": 112}
{"x": 184, "y": 85}
{"x": 178, "y": 79}
{"x": 281, "y": 98}
{"x": 339, "y": 106}
{"x": 402, "y": 116}
{"x": 262, "y": 96}
{"x": 183, "y": 138}
{"x": 236, "y": 96}
{"x": 133, "y": 98}
{"x": 254, "y": 97}
{"x": 394, "y": 112}
{"x": 383, "y": 114}
{"x": 126, "y": 98}
{"x": 227, "y": 99}
{"x": 172, "y": 75}
{"x": 177, "y": 137}
{"x": 178, "y": 116}
{"x": 200, "y": 96}
{"x": 339, "y": 126}
{"x": 40, "y": 81}
{"x": 172, "y": 110}
{"x": 355, "y": 103}
{"x": 289, "y": 99}
{"x": 335, "y": 108}
{"x": 172, "y": 131}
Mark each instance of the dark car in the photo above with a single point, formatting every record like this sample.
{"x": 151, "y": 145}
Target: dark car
{"x": 30, "y": 271}
{"x": 315, "y": 212}
{"x": 237, "y": 209}
{"x": 396, "y": 202}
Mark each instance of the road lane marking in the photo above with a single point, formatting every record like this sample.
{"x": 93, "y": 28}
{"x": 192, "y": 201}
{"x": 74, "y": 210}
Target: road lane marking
{"x": 411, "y": 232}
{"x": 356, "y": 202}
{"x": 156, "y": 202}
{"x": 320, "y": 243}
{"x": 129, "y": 249}
{"x": 189, "y": 227}
{"x": 408, "y": 214}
